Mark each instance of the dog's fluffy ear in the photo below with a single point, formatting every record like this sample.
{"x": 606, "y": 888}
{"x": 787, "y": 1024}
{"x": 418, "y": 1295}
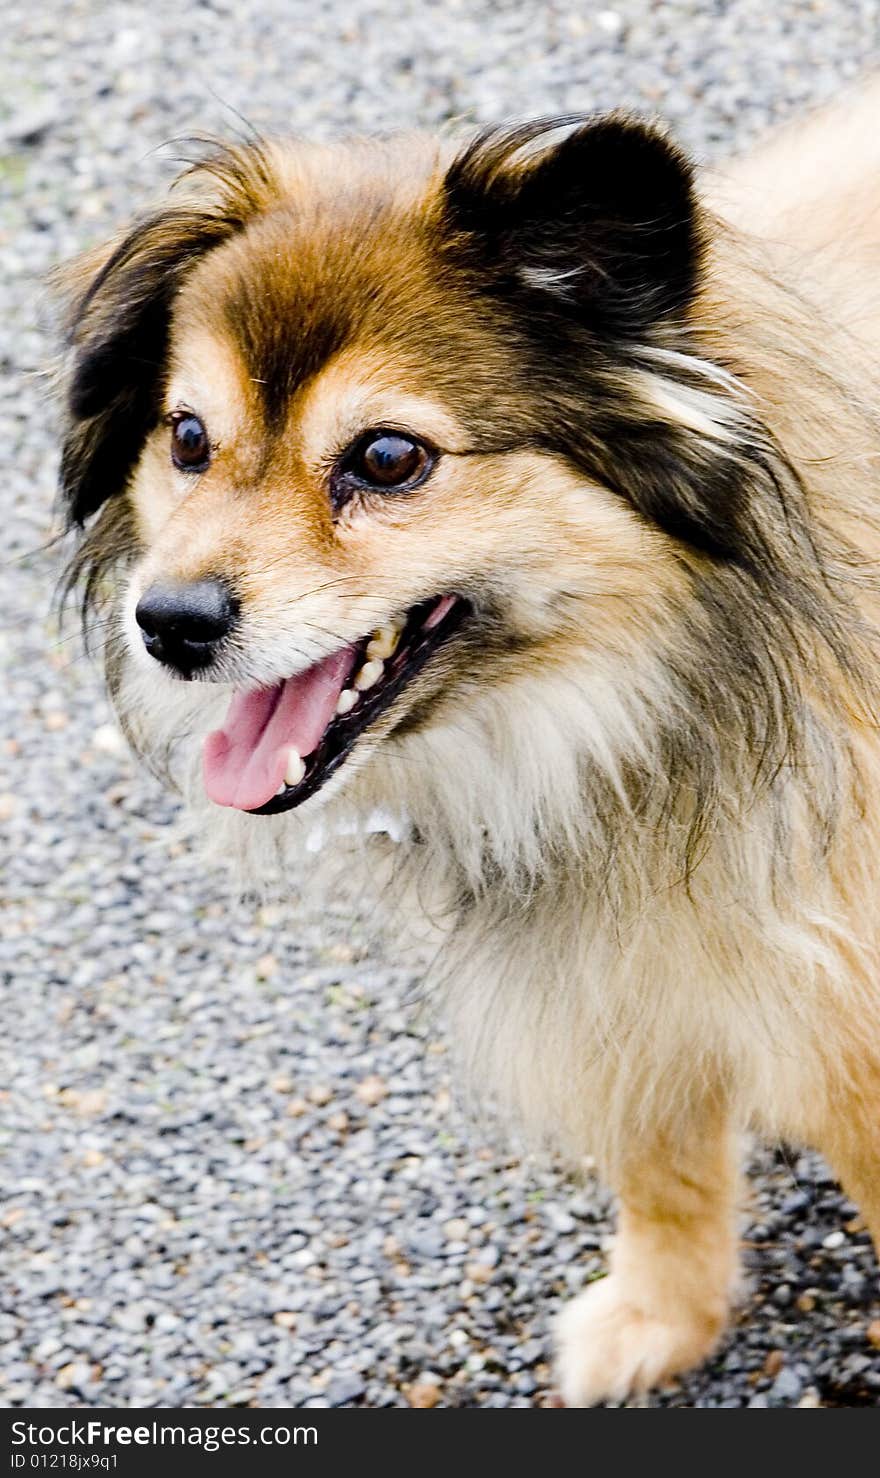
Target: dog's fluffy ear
{"x": 117, "y": 310}
{"x": 595, "y": 218}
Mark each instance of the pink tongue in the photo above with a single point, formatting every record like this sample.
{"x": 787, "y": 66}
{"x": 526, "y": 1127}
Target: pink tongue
{"x": 244, "y": 762}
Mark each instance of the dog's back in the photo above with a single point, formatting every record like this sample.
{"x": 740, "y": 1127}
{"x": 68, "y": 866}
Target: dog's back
{"x": 811, "y": 192}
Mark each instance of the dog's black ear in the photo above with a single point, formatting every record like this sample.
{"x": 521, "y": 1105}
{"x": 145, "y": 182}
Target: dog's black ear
{"x": 594, "y": 218}
{"x": 117, "y": 319}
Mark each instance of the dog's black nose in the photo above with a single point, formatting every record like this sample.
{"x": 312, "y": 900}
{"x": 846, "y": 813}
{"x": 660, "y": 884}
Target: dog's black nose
{"x": 182, "y": 625}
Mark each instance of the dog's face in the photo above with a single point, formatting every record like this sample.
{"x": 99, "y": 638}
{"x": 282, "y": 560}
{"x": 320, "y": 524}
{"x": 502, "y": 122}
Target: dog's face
{"x": 377, "y": 431}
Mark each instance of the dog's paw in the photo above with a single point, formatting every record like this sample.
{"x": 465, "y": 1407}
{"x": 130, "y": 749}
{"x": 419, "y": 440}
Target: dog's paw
{"x": 608, "y": 1347}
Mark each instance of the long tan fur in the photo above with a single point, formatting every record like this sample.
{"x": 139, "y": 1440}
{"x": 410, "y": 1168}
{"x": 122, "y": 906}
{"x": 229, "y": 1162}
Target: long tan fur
{"x": 637, "y": 806}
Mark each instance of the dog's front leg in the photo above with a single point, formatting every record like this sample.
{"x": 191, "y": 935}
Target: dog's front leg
{"x": 849, "y": 1135}
{"x": 665, "y": 1301}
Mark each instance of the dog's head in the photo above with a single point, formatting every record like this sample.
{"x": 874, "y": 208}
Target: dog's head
{"x": 374, "y": 433}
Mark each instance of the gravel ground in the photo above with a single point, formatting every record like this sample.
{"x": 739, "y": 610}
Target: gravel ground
{"x": 233, "y": 1168}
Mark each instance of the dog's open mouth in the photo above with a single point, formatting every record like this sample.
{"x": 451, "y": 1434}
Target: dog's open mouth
{"x": 279, "y": 745}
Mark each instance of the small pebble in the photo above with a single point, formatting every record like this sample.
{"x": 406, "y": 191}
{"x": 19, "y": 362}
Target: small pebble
{"x": 423, "y": 1393}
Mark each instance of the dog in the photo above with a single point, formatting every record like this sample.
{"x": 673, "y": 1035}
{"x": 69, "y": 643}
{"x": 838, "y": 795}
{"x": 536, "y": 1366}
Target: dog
{"x": 523, "y": 489}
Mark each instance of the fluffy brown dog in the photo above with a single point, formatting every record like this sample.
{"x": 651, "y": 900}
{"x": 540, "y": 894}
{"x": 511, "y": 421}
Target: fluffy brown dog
{"x": 509, "y": 491}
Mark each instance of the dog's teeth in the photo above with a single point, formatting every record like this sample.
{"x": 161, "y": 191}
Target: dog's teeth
{"x": 295, "y": 768}
{"x": 383, "y": 643}
{"x": 369, "y": 675}
{"x": 281, "y": 789}
{"x": 346, "y": 701}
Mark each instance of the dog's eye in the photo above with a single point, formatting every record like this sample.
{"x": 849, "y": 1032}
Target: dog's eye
{"x": 388, "y": 461}
{"x": 190, "y": 448}
{"x": 391, "y": 461}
